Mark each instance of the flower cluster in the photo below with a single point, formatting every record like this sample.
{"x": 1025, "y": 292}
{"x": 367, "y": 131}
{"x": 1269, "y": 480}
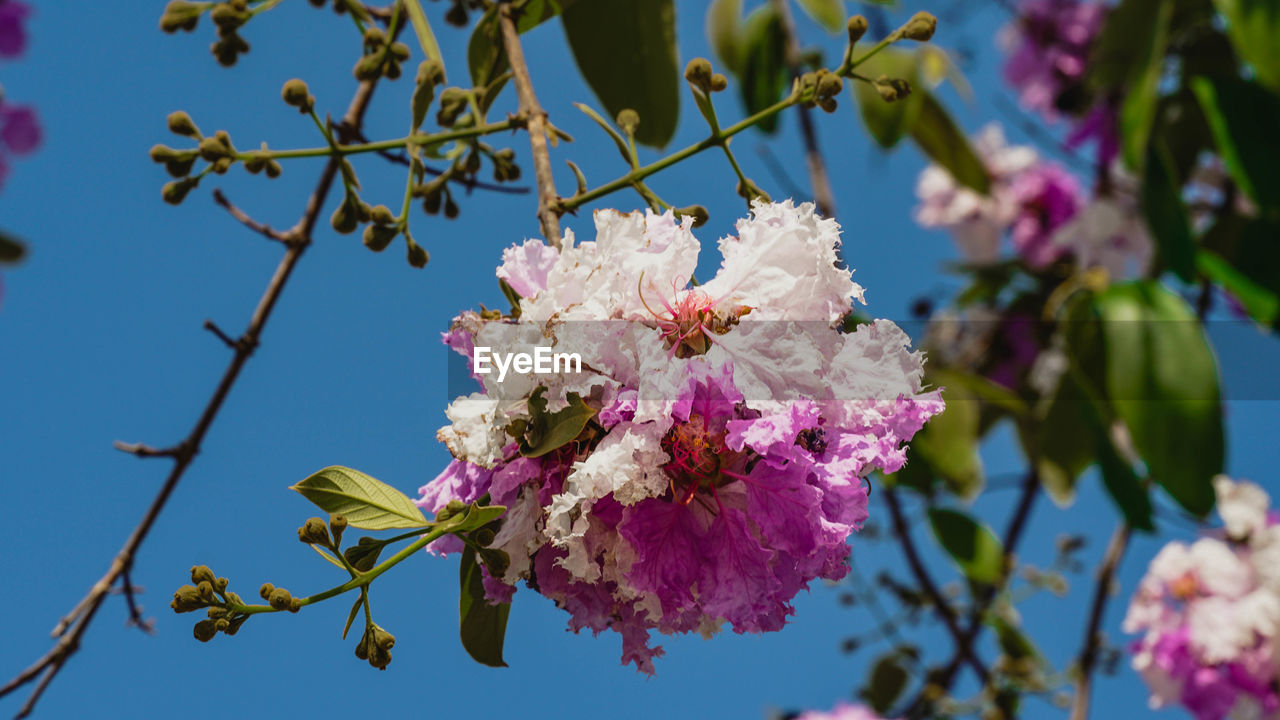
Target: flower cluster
{"x": 708, "y": 460}
{"x": 13, "y": 36}
{"x": 1042, "y": 208}
{"x": 842, "y": 711}
{"x": 1209, "y": 613}
{"x": 19, "y": 131}
{"x": 1049, "y": 44}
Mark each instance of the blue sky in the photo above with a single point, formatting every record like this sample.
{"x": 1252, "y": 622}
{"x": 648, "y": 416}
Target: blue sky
{"x": 101, "y": 339}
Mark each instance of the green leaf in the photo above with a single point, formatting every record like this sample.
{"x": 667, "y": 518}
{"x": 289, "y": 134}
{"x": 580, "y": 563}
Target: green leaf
{"x": 1243, "y": 117}
{"x": 1166, "y": 214}
{"x": 764, "y": 68}
{"x": 949, "y": 443}
{"x": 827, "y": 13}
{"x": 724, "y": 33}
{"x": 1061, "y": 443}
{"x": 1013, "y": 642}
{"x": 887, "y": 681}
{"x": 942, "y": 141}
{"x": 11, "y": 250}
{"x": 483, "y": 627}
{"x": 1162, "y": 380}
{"x": 971, "y": 544}
{"x": 477, "y": 516}
{"x": 548, "y": 431}
{"x": 1138, "y": 112}
{"x": 1124, "y": 486}
{"x": 888, "y": 122}
{"x": 1261, "y": 302}
{"x": 626, "y": 51}
{"x": 618, "y": 140}
{"x": 1254, "y": 26}
{"x": 351, "y": 616}
{"x": 366, "y": 502}
{"x": 327, "y": 557}
{"x": 486, "y": 58}
{"x": 422, "y": 28}
{"x": 364, "y": 554}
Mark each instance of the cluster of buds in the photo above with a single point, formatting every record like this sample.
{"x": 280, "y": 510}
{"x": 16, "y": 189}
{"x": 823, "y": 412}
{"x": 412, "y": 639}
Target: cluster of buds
{"x": 375, "y": 646}
{"x": 217, "y": 150}
{"x": 382, "y": 56}
{"x": 700, "y": 75}
{"x": 229, "y": 16}
{"x": 208, "y": 592}
{"x": 821, "y": 87}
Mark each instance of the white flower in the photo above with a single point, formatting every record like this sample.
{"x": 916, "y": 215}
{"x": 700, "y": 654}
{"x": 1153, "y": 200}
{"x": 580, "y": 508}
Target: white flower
{"x": 1242, "y": 505}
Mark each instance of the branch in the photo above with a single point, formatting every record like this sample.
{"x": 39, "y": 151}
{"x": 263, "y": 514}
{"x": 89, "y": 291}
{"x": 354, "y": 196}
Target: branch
{"x": 820, "y": 184}
{"x": 536, "y": 117}
{"x": 72, "y": 628}
{"x": 1092, "y": 635}
{"x": 944, "y": 609}
{"x": 249, "y": 222}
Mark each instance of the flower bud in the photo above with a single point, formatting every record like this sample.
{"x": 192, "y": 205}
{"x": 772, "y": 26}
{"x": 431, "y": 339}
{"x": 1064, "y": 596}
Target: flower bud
{"x": 345, "y": 219}
{"x": 295, "y": 605}
{"x": 378, "y": 237}
{"x": 265, "y": 591}
{"x": 383, "y": 216}
{"x": 163, "y": 153}
{"x": 496, "y": 561}
{"x": 180, "y": 168}
{"x": 221, "y": 624}
{"x": 920, "y": 27}
{"x": 186, "y": 599}
{"x": 373, "y": 37}
{"x": 418, "y": 256}
{"x": 719, "y": 82}
{"x": 400, "y": 51}
{"x": 453, "y": 508}
{"x": 296, "y": 94}
{"x": 205, "y": 630}
{"x": 450, "y": 207}
{"x": 698, "y": 73}
{"x": 220, "y": 585}
{"x": 829, "y": 85}
{"x": 280, "y": 599}
{"x": 211, "y": 149}
{"x": 180, "y": 15}
{"x": 314, "y": 532}
{"x": 697, "y": 212}
{"x": 857, "y": 27}
{"x": 181, "y": 123}
{"x": 205, "y": 589}
{"x": 337, "y": 524}
{"x": 174, "y": 192}
{"x": 201, "y": 573}
{"x": 216, "y": 612}
{"x": 628, "y": 120}
{"x": 274, "y": 168}
{"x": 483, "y": 536}
{"x": 891, "y": 89}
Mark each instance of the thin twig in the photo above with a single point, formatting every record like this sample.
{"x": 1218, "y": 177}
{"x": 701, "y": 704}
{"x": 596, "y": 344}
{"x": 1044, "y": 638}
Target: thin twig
{"x": 249, "y": 222}
{"x": 536, "y": 119}
{"x": 1092, "y": 636}
{"x": 818, "y": 180}
{"x": 130, "y": 593}
{"x": 943, "y": 608}
{"x": 72, "y": 628}
{"x": 470, "y": 183}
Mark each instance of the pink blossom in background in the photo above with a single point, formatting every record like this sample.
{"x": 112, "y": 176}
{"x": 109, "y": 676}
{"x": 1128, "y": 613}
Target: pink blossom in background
{"x": 842, "y": 711}
{"x": 1209, "y": 614}
{"x": 13, "y": 37}
{"x": 734, "y": 423}
{"x": 1047, "y": 196}
{"x": 1049, "y": 46}
{"x": 20, "y": 134}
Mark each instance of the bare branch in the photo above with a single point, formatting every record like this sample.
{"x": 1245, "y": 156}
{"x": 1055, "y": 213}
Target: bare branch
{"x": 536, "y": 118}
{"x": 1092, "y": 635}
{"x": 212, "y": 327}
{"x": 72, "y": 627}
{"x": 249, "y": 222}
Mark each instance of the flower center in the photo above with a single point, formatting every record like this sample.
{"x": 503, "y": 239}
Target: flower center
{"x": 699, "y": 458}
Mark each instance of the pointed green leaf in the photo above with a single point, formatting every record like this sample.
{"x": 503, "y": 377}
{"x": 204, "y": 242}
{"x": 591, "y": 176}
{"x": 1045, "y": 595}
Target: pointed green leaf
{"x": 1262, "y": 303}
{"x": 483, "y": 627}
{"x": 549, "y": 431}
{"x": 764, "y": 69}
{"x": 725, "y": 33}
{"x": 1243, "y": 118}
{"x": 364, "y": 554}
{"x": 327, "y": 556}
{"x": 422, "y": 28}
{"x": 626, "y": 51}
{"x": 366, "y": 502}
{"x": 948, "y": 443}
{"x": 1253, "y": 26}
{"x": 351, "y": 616}
{"x": 971, "y": 544}
{"x": 827, "y": 13}
{"x": 1162, "y": 380}
{"x": 1166, "y": 214}
{"x": 888, "y": 122}
{"x": 942, "y": 141}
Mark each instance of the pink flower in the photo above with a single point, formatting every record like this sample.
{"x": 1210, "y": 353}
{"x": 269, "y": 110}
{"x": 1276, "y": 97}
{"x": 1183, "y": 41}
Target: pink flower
{"x": 1047, "y": 196}
{"x": 13, "y": 37}
{"x": 722, "y": 469}
{"x": 842, "y": 711}
{"x": 19, "y": 133}
{"x": 1049, "y": 46}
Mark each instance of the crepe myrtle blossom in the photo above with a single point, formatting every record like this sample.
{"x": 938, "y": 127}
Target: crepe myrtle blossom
{"x": 841, "y": 711}
{"x": 19, "y": 133}
{"x": 1209, "y": 614}
{"x": 13, "y": 36}
{"x": 1049, "y": 44}
{"x": 731, "y": 425}
{"x": 1030, "y": 198}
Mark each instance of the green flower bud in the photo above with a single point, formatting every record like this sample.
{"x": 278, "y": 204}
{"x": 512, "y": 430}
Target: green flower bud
{"x": 174, "y": 192}
{"x": 453, "y": 102}
{"x": 205, "y": 630}
{"x": 719, "y": 82}
{"x": 211, "y": 149}
{"x": 201, "y": 573}
{"x": 180, "y": 15}
{"x": 453, "y": 508}
{"x": 362, "y": 647}
{"x": 180, "y": 168}
{"x": 418, "y": 257}
{"x": 274, "y": 169}
{"x": 296, "y": 94}
{"x": 891, "y": 89}
{"x": 392, "y": 69}
{"x": 496, "y": 561}
{"x": 345, "y": 219}
{"x": 400, "y": 51}
{"x": 228, "y": 17}
{"x": 382, "y": 638}
{"x": 857, "y": 27}
{"x": 295, "y": 605}
{"x": 205, "y": 589}
{"x": 368, "y": 67}
{"x": 457, "y": 15}
{"x": 374, "y": 37}
{"x": 828, "y": 104}
{"x": 378, "y": 237}
{"x": 280, "y": 599}
{"x": 920, "y": 27}
{"x": 186, "y": 599}
{"x": 829, "y": 85}
{"x": 229, "y": 48}
{"x": 431, "y": 202}
{"x": 221, "y": 624}
{"x": 430, "y": 72}
{"x": 163, "y": 153}
{"x": 697, "y": 212}
{"x": 220, "y": 585}
{"x": 223, "y": 164}
{"x": 628, "y": 120}
{"x": 181, "y": 123}
{"x": 698, "y": 72}
{"x": 750, "y": 191}
{"x": 265, "y": 591}
{"x": 314, "y": 532}
{"x": 337, "y": 524}
{"x": 216, "y": 612}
